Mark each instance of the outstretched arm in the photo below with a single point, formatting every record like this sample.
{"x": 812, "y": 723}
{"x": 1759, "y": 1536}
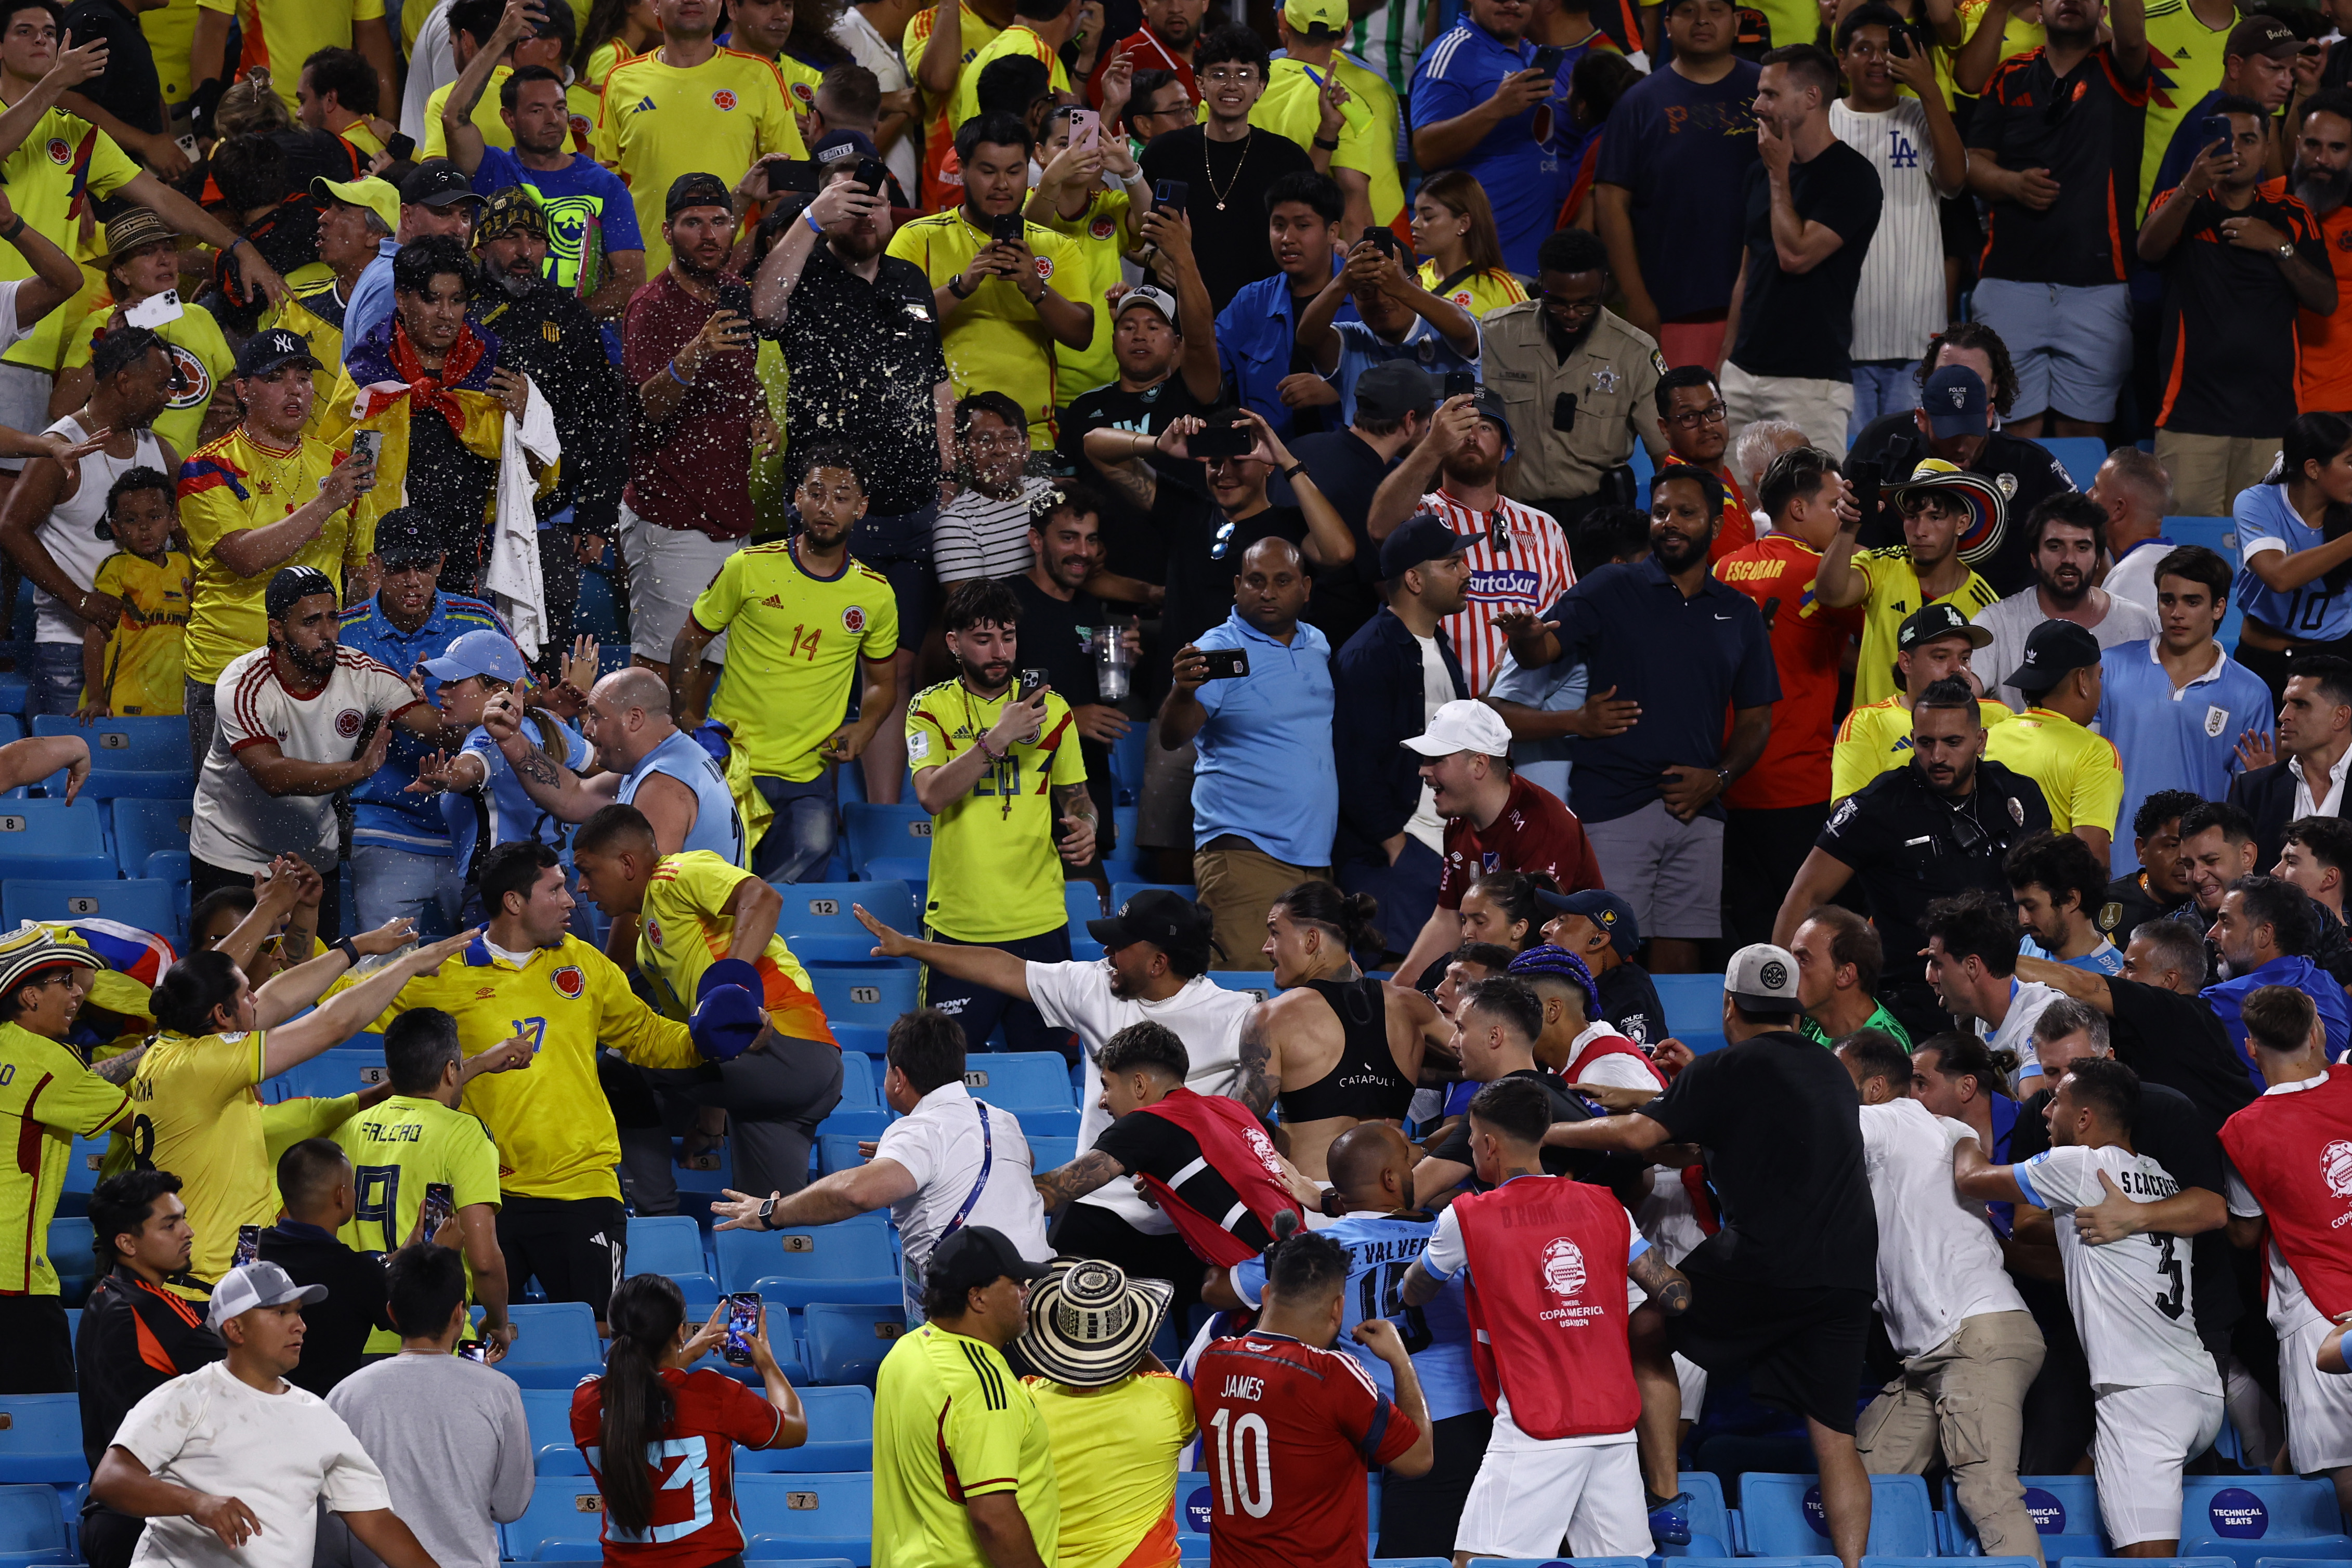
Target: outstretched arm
{"x": 1631, "y": 1133}
{"x": 989, "y": 967}
{"x": 552, "y": 787}
{"x": 2083, "y": 986}
{"x": 1976, "y": 1176}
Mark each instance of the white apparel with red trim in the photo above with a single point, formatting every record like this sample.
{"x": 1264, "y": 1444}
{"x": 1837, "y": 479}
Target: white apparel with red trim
{"x": 238, "y": 825}
{"x": 1528, "y": 573}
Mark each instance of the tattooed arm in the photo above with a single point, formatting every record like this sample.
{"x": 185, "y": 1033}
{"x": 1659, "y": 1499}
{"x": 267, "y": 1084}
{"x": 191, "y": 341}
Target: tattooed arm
{"x": 1260, "y": 1078}
{"x": 1076, "y": 1180}
{"x": 117, "y": 1071}
{"x": 1074, "y": 808}
{"x": 552, "y": 787}
{"x": 1119, "y": 456}
{"x": 1662, "y": 1282}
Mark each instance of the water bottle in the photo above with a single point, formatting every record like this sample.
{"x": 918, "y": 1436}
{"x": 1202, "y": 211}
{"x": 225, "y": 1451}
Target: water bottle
{"x": 1113, "y": 663}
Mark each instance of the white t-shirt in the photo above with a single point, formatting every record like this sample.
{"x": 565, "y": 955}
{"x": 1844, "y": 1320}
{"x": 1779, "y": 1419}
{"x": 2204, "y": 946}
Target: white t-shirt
{"x": 2130, "y": 1298}
{"x": 282, "y": 1453}
{"x": 2011, "y": 621}
{"x": 1206, "y": 1016}
{"x": 2027, "y": 998}
{"x": 879, "y": 55}
{"x": 940, "y": 1145}
{"x": 1436, "y": 692}
{"x": 1898, "y": 301}
{"x": 2134, "y": 577}
{"x": 238, "y": 825}
{"x": 1939, "y": 1261}
{"x": 2291, "y": 1310}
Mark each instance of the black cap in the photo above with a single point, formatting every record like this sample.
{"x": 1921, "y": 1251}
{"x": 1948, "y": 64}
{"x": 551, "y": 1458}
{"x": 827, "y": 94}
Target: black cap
{"x": 2054, "y": 650}
{"x": 1927, "y": 623}
{"x": 436, "y": 182}
{"x": 697, "y": 191}
{"x": 1489, "y": 404}
{"x": 1169, "y": 922}
{"x": 266, "y": 351}
{"x": 1420, "y": 538}
{"x": 834, "y": 146}
{"x": 1394, "y": 388}
{"x": 404, "y": 537}
{"x": 292, "y": 585}
{"x": 977, "y": 1256}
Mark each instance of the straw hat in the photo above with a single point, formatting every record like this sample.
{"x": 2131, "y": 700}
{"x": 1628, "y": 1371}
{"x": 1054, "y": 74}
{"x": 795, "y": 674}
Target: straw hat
{"x": 1089, "y": 1324}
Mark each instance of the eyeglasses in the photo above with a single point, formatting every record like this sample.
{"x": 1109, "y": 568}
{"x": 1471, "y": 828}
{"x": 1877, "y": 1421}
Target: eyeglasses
{"x": 1243, "y": 74}
{"x": 1692, "y": 419}
{"x": 1564, "y": 304}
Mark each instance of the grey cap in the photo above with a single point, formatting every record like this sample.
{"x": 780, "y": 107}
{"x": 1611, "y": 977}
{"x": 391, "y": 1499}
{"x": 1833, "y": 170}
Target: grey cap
{"x": 1763, "y": 979}
{"x": 258, "y": 1284}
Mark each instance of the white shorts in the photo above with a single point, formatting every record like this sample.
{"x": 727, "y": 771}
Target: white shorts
{"x": 2318, "y": 1404}
{"x": 1531, "y": 1493}
{"x": 1693, "y": 1378}
{"x": 2144, "y": 1437}
{"x": 669, "y": 570}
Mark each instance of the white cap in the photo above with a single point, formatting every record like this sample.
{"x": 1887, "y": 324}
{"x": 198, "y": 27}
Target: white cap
{"x": 258, "y": 1285}
{"x": 1763, "y": 979}
{"x": 1464, "y": 726}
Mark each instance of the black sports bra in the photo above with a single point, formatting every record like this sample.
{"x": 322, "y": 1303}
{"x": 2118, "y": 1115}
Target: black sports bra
{"x": 1364, "y": 1082}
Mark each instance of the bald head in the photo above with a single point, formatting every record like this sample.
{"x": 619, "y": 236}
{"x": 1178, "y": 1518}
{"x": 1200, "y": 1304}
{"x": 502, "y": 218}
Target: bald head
{"x": 627, "y": 717}
{"x": 1371, "y": 1167}
{"x": 1270, "y": 589}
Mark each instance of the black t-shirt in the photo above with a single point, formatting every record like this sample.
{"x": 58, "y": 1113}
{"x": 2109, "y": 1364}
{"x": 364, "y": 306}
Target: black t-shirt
{"x": 1131, "y": 546}
{"x": 2127, "y": 906}
{"x": 130, "y": 90}
{"x": 864, "y": 358}
{"x": 2179, "y": 1042}
{"x": 2025, "y": 472}
{"x": 1802, "y": 323}
{"x": 1630, "y": 1002}
{"x": 1056, "y": 637}
{"x": 1909, "y": 846}
{"x": 1205, "y": 554}
{"x": 2085, "y": 131}
{"x": 1154, "y": 1146}
{"x": 1781, "y": 1127}
{"x": 337, "y": 1328}
{"x": 2228, "y": 336}
{"x": 1229, "y": 239}
{"x": 1348, "y": 471}
{"x": 1565, "y": 1107}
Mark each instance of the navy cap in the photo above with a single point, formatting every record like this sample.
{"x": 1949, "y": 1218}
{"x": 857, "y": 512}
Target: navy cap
{"x": 1489, "y": 404}
{"x": 977, "y": 1256}
{"x": 1394, "y": 388}
{"x": 1421, "y": 538}
{"x": 2054, "y": 650}
{"x": 697, "y": 191}
{"x": 1605, "y": 909}
{"x": 266, "y": 352}
{"x": 437, "y": 183}
{"x": 1167, "y": 920}
{"x": 834, "y": 146}
{"x": 1954, "y": 399}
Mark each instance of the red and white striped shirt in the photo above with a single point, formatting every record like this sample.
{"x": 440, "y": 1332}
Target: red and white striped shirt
{"x": 1530, "y": 572}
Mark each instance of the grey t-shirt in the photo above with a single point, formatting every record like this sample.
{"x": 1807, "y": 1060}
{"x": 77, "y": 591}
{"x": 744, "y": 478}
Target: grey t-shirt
{"x": 450, "y": 1436}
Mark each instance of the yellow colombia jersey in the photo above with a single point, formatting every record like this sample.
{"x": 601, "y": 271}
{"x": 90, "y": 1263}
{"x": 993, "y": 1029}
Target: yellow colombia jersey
{"x": 1098, "y": 237}
{"x": 946, "y": 1403}
{"x": 800, "y": 83}
{"x": 234, "y": 484}
{"x": 282, "y": 34}
{"x": 550, "y": 1120}
{"x": 170, "y": 33}
{"x": 1115, "y": 1463}
{"x": 1894, "y": 595}
{"x": 661, "y": 121}
{"x": 199, "y": 352}
{"x": 397, "y": 1148}
{"x": 1291, "y": 107}
{"x": 51, "y": 1100}
{"x": 992, "y": 851}
{"x": 1478, "y": 292}
{"x": 52, "y": 175}
{"x": 684, "y": 929}
{"x": 146, "y": 651}
{"x": 996, "y": 339}
{"x": 794, "y": 639}
{"x": 1019, "y": 38}
{"x": 1877, "y": 736}
{"x": 2080, "y": 775}
{"x": 2184, "y": 59}
{"x": 485, "y": 117}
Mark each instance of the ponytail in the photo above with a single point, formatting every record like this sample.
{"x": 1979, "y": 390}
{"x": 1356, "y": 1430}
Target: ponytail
{"x": 647, "y": 1313}
{"x": 1352, "y": 915}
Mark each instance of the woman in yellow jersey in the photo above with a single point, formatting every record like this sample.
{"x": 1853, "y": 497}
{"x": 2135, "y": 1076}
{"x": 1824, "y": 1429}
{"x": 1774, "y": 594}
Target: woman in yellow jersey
{"x": 141, "y": 261}
{"x": 1074, "y": 200}
{"x": 1454, "y": 226}
{"x": 615, "y": 31}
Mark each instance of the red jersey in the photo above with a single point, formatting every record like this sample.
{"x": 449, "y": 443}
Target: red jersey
{"x": 1535, "y": 833}
{"x": 1808, "y": 643}
{"x": 2293, "y": 1151}
{"x": 1286, "y": 1434}
{"x": 694, "y": 1519}
{"x": 1150, "y": 55}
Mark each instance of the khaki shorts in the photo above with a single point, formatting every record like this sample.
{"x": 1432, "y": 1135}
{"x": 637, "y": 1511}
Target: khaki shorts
{"x": 669, "y": 570}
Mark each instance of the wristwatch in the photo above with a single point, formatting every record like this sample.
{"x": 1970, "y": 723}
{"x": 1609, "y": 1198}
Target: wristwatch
{"x": 1722, "y": 780}
{"x": 767, "y": 1207}
{"x": 2286, "y": 251}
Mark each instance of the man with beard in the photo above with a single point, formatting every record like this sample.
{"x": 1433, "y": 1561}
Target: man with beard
{"x": 1518, "y": 562}
{"x": 2258, "y": 61}
{"x": 1064, "y": 620}
{"x": 1697, "y": 428}
{"x": 2322, "y": 181}
{"x": 2315, "y": 736}
{"x": 1969, "y": 811}
{"x": 998, "y": 770}
{"x": 1164, "y": 43}
{"x": 1693, "y": 654}
{"x": 546, "y": 333}
{"x": 2240, "y": 259}
{"x": 789, "y": 702}
{"x": 1934, "y": 641}
{"x": 2067, "y": 535}
{"x": 286, "y": 741}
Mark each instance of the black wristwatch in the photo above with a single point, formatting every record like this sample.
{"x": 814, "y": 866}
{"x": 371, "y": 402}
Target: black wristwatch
{"x": 767, "y": 1207}
{"x": 1326, "y": 146}
{"x": 956, "y": 288}
{"x": 349, "y": 953}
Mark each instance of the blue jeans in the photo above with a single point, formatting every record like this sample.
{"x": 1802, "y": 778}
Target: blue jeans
{"x": 1881, "y": 387}
{"x": 56, "y": 686}
{"x": 387, "y": 883}
{"x": 799, "y": 843}
{"x": 978, "y": 1008}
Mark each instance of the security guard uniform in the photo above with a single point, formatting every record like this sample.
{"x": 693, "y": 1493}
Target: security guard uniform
{"x": 1575, "y": 418}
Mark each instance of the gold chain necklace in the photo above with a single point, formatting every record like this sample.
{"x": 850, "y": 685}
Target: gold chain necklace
{"x": 1210, "y": 169}
{"x": 287, "y": 469}
{"x": 1002, "y": 770}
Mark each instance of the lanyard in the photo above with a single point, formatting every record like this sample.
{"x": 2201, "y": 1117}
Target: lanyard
{"x": 987, "y": 1161}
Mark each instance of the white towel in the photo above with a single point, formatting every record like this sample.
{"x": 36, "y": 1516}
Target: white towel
{"x": 511, "y": 574}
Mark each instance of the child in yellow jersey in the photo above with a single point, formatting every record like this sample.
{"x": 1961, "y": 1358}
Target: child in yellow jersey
{"x": 137, "y": 666}
{"x": 707, "y": 948}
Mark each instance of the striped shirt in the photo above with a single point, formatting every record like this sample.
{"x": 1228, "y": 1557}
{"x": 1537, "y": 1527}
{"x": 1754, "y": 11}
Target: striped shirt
{"x": 980, "y": 536}
{"x": 1521, "y": 565}
{"x": 1899, "y": 303}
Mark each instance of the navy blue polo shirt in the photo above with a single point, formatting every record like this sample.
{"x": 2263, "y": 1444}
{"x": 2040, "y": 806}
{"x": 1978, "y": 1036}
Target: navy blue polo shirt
{"x": 1687, "y": 662}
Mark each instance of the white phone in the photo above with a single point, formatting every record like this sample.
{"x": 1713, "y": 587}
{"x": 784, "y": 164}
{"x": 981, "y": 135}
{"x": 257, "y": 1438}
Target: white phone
{"x": 156, "y": 309}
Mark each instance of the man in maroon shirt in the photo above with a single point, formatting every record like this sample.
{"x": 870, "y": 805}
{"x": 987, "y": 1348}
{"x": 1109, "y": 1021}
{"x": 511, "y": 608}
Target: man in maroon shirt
{"x": 1495, "y": 821}
{"x": 686, "y": 347}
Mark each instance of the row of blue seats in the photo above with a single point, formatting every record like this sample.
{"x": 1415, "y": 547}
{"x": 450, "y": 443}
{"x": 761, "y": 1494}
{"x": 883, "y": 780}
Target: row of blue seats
{"x": 146, "y": 756}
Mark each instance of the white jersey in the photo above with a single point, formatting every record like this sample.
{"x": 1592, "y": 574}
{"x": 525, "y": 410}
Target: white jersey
{"x": 1898, "y": 304}
{"x": 2130, "y": 1298}
{"x": 1938, "y": 1260}
{"x": 1530, "y": 572}
{"x": 238, "y": 825}
{"x": 70, "y": 532}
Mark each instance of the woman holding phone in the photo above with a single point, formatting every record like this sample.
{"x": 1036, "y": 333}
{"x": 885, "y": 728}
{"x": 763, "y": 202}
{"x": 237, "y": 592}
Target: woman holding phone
{"x": 143, "y": 265}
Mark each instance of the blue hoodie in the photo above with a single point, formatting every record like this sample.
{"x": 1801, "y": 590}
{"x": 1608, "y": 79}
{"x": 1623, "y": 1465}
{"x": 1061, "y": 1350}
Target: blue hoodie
{"x": 2229, "y": 997}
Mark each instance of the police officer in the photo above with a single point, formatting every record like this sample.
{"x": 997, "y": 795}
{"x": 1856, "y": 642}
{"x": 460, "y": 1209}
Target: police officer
{"x": 1576, "y": 381}
{"x": 1918, "y": 834}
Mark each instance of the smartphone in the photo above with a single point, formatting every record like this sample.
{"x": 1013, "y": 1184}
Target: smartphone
{"x": 1898, "y": 43}
{"x": 474, "y": 1350}
{"x": 1383, "y": 241}
{"x": 742, "y": 1326}
{"x": 440, "y": 1208}
{"x": 1461, "y": 383}
{"x": 1032, "y": 682}
{"x": 1220, "y": 439}
{"x": 155, "y": 310}
{"x": 1863, "y": 478}
{"x": 1548, "y": 59}
{"x": 249, "y": 1245}
{"x": 735, "y": 295}
{"x": 1226, "y": 663}
{"x": 1006, "y": 228}
{"x": 367, "y": 447}
{"x": 2215, "y": 128}
{"x": 875, "y": 175}
{"x": 1170, "y": 193}
{"x": 1086, "y": 127}
{"x": 790, "y": 174}
{"x": 401, "y": 148}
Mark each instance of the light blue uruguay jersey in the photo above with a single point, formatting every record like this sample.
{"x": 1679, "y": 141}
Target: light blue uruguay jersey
{"x": 2313, "y": 613}
{"x": 1381, "y": 1247}
{"x": 2166, "y": 738}
{"x": 382, "y": 810}
{"x": 717, "y": 825}
{"x": 502, "y": 813}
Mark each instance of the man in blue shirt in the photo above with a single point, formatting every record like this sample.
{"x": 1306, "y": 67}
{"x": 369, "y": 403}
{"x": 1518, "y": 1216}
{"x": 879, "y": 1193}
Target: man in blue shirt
{"x": 435, "y": 199}
{"x": 402, "y": 860}
{"x": 1265, "y": 792}
{"x": 1479, "y": 104}
{"x": 2177, "y": 707}
{"x": 1687, "y": 649}
{"x": 1258, "y": 352}
{"x": 2263, "y": 930}
{"x": 1402, "y": 320}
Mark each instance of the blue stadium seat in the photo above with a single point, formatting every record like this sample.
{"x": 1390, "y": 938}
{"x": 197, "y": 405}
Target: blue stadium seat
{"x": 837, "y": 1152}
{"x": 1018, "y": 1080}
{"x": 51, "y": 838}
{"x": 1081, "y": 903}
{"x": 1691, "y": 1001}
{"x": 147, "y": 757}
{"x": 82, "y": 1174}
{"x": 865, "y": 994}
{"x": 861, "y": 1113}
{"x": 2303, "y": 1563}
{"x": 915, "y": 871}
{"x": 555, "y": 1345}
{"x": 1448, "y": 1562}
{"x": 2243, "y": 1517}
{"x": 2219, "y": 535}
{"x": 548, "y": 1412}
{"x": 1711, "y": 1529}
{"x": 841, "y": 1436}
{"x": 1753, "y": 1561}
{"x": 824, "y": 1514}
{"x": 73, "y": 1253}
{"x": 14, "y": 689}
{"x": 1047, "y": 1120}
{"x": 874, "y": 831}
{"x": 2137, "y": 1563}
{"x": 1127, "y": 754}
{"x": 817, "y": 925}
{"x": 567, "y": 1514}
{"x": 860, "y": 1040}
{"x": 825, "y": 1263}
{"x": 1522, "y": 1561}
{"x": 857, "y": 1082}
{"x": 166, "y": 866}
{"x": 32, "y": 1527}
{"x": 1258, "y": 982}
{"x": 846, "y": 1343}
{"x": 1122, "y": 891}
{"x": 1873, "y": 1560}
{"x": 2079, "y": 455}
{"x": 743, "y": 1255}
{"x": 147, "y": 905}
{"x": 40, "y": 1439}
{"x": 1052, "y": 1154}
{"x": 2066, "y": 1510}
{"x": 1195, "y": 1503}
{"x": 1782, "y": 1516}
{"x": 672, "y": 1244}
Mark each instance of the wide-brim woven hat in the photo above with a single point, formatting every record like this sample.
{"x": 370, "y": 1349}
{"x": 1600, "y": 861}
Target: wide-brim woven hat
{"x": 1090, "y": 1323}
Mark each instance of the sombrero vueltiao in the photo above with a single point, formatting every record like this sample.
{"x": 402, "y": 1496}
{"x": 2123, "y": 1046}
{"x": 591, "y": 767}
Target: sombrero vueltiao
{"x": 1089, "y": 1324}
{"x": 1980, "y": 535}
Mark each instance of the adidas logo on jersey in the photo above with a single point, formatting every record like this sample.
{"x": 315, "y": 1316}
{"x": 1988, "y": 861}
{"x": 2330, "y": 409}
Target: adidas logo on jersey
{"x": 774, "y": 602}
{"x": 645, "y": 103}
